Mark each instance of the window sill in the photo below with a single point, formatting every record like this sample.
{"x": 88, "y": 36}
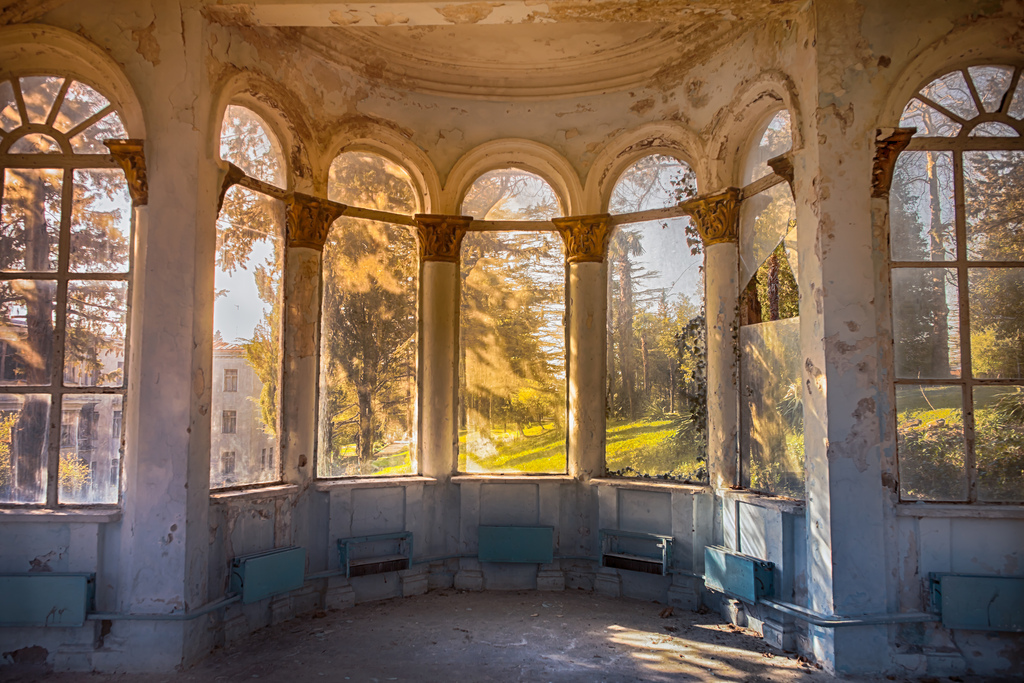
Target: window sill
{"x": 789, "y": 505}
{"x": 372, "y": 482}
{"x": 512, "y": 478}
{"x": 75, "y": 516}
{"x": 649, "y": 484}
{"x": 960, "y": 510}
{"x": 269, "y": 491}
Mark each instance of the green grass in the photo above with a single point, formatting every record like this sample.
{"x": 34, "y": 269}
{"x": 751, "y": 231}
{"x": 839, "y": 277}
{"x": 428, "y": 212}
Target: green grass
{"x": 647, "y": 446}
{"x": 540, "y": 449}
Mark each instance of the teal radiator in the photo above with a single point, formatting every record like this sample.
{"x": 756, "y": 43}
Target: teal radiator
{"x": 737, "y": 575}
{"x": 523, "y": 544}
{"x": 269, "y": 573}
{"x": 979, "y": 603}
{"x": 46, "y": 599}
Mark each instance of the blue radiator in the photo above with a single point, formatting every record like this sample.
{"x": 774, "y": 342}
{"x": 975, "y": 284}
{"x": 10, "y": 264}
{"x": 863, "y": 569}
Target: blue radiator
{"x": 46, "y": 599}
{"x": 522, "y": 544}
{"x": 737, "y": 575}
{"x": 979, "y": 603}
{"x": 262, "y": 575}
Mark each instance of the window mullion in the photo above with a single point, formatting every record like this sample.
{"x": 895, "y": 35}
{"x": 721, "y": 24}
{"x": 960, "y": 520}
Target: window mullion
{"x": 57, "y": 353}
{"x": 966, "y": 371}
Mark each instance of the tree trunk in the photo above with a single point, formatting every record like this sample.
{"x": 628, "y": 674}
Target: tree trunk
{"x": 625, "y": 323}
{"x": 936, "y": 239}
{"x": 773, "y": 286}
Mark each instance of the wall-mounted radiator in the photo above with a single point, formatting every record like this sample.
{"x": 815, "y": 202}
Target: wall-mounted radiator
{"x": 520, "y": 544}
{"x": 636, "y": 551}
{"x": 46, "y": 599}
{"x": 738, "y": 575}
{"x": 365, "y": 555}
{"x": 262, "y": 575}
{"x": 979, "y": 603}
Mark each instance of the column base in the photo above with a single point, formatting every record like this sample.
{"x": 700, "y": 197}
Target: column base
{"x": 340, "y": 594}
{"x": 469, "y": 580}
{"x": 608, "y": 582}
{"x": 684, "y": 594}
{"x": 550, "y": 578}
{"x": 414, "y": 581}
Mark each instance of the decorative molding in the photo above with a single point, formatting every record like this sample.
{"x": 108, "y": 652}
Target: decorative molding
{"x": 716, "y": 216}
{"x": 308, "y": 219}
{"x": 440, "y": 236}
{"x": 889, "y": 142}
{"x": 131, "y": 157}
{"x": 783, "y": 167}
{"x": 586, "y": 237}
{"x": 232, "y": 176}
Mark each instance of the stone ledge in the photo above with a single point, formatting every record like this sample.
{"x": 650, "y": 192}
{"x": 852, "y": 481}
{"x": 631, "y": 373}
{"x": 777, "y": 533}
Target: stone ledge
{"x": 649, "y": 484}
{"x": 969, "y": 510}
{"x": 61, "y": 516}
{"x": 268, "y": 491}
{"x": 512, "y": 478}
{"x": 765, "y": 500}
{"x": 372, "y": 482}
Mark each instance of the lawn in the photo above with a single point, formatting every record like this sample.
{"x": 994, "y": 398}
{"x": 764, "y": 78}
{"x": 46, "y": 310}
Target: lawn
{"x": 648, "y": 447}
{"x": 540, "y": 449}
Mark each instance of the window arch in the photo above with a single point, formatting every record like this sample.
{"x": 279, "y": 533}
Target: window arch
{"x": 957, "y": 276}
{"x": 368, "y": 346}
{"x": 512, "y": 382}
{"x": 655, "y": 397}
{"x": 65, "y": 272}
{"x": 245, "y": 407}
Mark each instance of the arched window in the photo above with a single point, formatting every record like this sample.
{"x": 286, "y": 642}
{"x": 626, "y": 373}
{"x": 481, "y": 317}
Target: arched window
{"x": 512, "y": 336}
{"x": 65, "y": 272}
{"x": 656, "y": 388}
{"x": 368, "y": 324}
{"x": 771, "y": 408}
{"x": 957, "y": 249}
{"x": 245, "y": 410}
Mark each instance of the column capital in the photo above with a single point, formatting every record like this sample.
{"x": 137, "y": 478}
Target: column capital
{"x": 131, "y": 157}
{"x": 308, "y": 219}
{"x": 585, "y": 237}
{"x": 889, "y": 142}
{"x": 716, "y": 216}
{"x": 440, "y": 236}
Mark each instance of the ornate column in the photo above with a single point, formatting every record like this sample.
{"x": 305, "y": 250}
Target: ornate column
{"x": 716, "y": 217}
{"x": 439, "y": 238}
{"x": 307, "y": 221}
{"x": 586, "y": 243}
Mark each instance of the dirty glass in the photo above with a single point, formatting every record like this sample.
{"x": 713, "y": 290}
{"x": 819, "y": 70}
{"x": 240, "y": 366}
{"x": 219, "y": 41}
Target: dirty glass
{"x": 771, "y": 407}
{"x": 27, "y": 310}
{"x": 656, "y": 391}
{"x": 24, "y": 428}
{"x": 367, "y": 412}
{"x": 90, "y": 448}
{"x": 30, "y": 219}
{"x": 997, "y": 322}
{"x": 35, "y": 143}
{"x": 999, "y": 442}
{"x": 246, "y": 141}
{"x": 97, "y": 319}
{"x": 930, "y": 442}
{"x": 991, "y": 83}
{"x": 80, "y": 103}
{"x": 101, "y": 215}
{"x": 775, "y": 138}
{"x": 765, "y": 221}
{"x": 928, "y": 121}
{"x": 993, "y": 188}
{"x": 922, "y": 213}
{"x": 926, "y": 323}
{"x": 952, "y": 93}
{"x": 39, "y": 94}
{"x": 10, "y": 118}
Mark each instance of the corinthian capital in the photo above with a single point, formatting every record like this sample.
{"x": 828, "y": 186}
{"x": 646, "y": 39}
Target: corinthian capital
{"x": 716, "y": 216}
{"x": 440, "y": 237}
{"x": 308, "y": 219}
{"x": 131, "y": 157}
{"x": 585, "y": 237}
{"x": 889, "y": 142}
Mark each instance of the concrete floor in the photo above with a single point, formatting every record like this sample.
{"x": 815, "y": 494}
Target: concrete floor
{"x": 451, "y": 636}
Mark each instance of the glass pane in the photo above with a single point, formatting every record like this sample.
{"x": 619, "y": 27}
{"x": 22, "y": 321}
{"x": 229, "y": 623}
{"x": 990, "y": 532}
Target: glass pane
{"x": 90, "y": 141}
{"x": 30, "y": 219}
{"x": 10, "y": 118}
{"x": 26, "y": 331}
{"x": 993, "y": 191}
{"x": 922, "y": 213}
{"x": 90, "y": 448}
{"x": 35, "y": 143}
{"x": 247, "y": 323}
{"x": 930, "y": 443}
{"x": 991, "y": 83}
{"x": 101, "y": 220}
{"x": 951, "y": 92}
{"x": 993, "y": 129}
{"x": 776, "y": 138}
{"x": 928, "y": 121}
{"x": 512, "y": 354}
{"x": 80, "y": 102}
{"x": 772, "y": 436}
{"x": 24, "y": 430}
{"x": 772, "y": 293}
{"x": 1017, "y": 104}
{"x": 997, "y": 322}
{"x": 655, "y": 406}
{"x": 926, "y": 323}
{"x": 372, "y": 182}
{"x": 95, "y": 334}
{"x": 654, "y": 182}
{"x": 368, "y": 357}
{"x": 765, "y": 220}
{"x": 39, "y": 93}
{"x": 509, "y": 195}
{"x": 999, "y": 443}
{"x": 246, "y": 141}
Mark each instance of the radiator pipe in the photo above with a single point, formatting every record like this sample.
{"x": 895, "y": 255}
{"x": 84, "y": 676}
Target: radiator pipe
{"x": 176, "y": 616}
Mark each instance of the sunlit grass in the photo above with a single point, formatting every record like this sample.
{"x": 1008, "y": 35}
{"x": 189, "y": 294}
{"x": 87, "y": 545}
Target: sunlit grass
{"x": 648, "y": 447}
{"x": 538, "y": 449}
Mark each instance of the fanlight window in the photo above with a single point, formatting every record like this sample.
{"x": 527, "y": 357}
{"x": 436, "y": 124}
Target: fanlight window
{"x": 958, "y": 289}
{"x": 656, "y": 384}
{"x": 65, "y": 272}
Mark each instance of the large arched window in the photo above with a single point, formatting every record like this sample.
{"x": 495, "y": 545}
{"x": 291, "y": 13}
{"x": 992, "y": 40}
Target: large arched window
{"x": 771, "y": 406}
{"x": 656, "y": 387}
{"x": 65, "y": 271}
{"x": 245, "y": 412}
{"x": 512, "y": 331}
{"x": 368, "y": 326}
{"x": 956, "y": 211}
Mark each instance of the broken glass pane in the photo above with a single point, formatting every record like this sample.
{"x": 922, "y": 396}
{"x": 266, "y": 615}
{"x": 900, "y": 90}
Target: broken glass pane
{"x": 24, "y": 430}
{"x": 922, "y": 214}
{"x": 246, "y": 141}
{"x": 991, "y": 83}
{"x": 930, "y": 442}
{"x": 765, "y": 220}
{"x": 776, "y": 139}
{"x": 90, "y": 448}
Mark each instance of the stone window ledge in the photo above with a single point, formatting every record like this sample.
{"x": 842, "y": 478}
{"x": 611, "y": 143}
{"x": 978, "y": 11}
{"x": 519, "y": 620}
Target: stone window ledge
{"x": 268, "y": 491}
{"x": 765, "y": 500}
{"x": 649, "y": 484}
{"x": 372, "y": 482}
{"x": 59, "y": 516}
{"x": 972, "y": 510}
{"x": 512, "y": 478}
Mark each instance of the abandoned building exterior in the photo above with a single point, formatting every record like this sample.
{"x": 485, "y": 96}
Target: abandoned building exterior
{"x": 277, "y": 212}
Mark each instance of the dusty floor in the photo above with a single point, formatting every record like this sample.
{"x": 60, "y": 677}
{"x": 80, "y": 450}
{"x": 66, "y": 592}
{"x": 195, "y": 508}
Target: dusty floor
{"x": 451, "y": 637}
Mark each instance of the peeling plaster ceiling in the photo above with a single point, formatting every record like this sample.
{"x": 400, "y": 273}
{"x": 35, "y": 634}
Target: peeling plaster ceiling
{"x": 514, "y": 49}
